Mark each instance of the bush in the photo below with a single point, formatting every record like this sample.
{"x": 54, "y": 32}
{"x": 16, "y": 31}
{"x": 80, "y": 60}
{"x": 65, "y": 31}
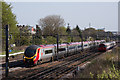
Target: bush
{"x": 113, "y": 73}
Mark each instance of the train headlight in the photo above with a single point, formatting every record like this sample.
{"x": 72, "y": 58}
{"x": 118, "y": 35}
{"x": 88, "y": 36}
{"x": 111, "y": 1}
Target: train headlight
{"x": 23, "y": 57}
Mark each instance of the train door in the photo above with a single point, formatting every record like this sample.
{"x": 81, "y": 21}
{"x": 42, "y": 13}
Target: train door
{"x": 62, "y": 51}
{"x": 79, "y": 47}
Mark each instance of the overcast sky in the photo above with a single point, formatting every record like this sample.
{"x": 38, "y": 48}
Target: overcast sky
{"x": 99, "y": 14}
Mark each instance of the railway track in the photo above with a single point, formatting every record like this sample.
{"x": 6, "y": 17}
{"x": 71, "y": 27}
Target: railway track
{"x": 14, "y": 61}
{"x": 49, "y": 68}
{"x": 60, "y": 70}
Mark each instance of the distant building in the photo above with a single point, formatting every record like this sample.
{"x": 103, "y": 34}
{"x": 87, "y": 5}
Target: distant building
{"x": 30, "y": 28}
{"x": 102, "y": 29}
{"x": 115, "y": 32}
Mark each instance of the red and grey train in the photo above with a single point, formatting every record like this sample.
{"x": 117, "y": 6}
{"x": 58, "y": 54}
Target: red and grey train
{"x": 38, "y": 53}
{"x": 106, "y": 46}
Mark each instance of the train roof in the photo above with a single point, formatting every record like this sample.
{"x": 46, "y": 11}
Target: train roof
{"x": 52, "y": 45}
{"x": 108, "y": 43}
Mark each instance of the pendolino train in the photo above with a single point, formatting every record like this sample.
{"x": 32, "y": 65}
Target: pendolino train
{"x": 39, "y": 53}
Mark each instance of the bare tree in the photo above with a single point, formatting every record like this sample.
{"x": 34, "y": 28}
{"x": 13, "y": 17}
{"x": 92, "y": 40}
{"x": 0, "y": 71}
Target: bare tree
{"x": 50, "y": 24}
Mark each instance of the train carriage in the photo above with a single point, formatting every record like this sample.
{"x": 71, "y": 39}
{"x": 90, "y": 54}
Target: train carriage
{"x": 106, "y": 46}
{"x": 62, "y": 50}
{"x": 48, "y": 52}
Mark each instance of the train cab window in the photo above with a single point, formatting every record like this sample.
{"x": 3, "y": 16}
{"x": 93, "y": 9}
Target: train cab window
{"x": 102, "y": 45}
{"x": 61, "y": 49}
{"x": 48, "y": 51}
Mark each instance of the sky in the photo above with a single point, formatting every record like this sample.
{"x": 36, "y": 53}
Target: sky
{"x": 99, "y": 14}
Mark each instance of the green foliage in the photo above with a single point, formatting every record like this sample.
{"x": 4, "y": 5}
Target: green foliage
{"x": 0, "y": 12}
{"x": 113, "y": 73}
{"x": 8, "y": 18}
{"x": 62, "y": 31}
{"x": 37, "y": 37}
{"x": 38, "y": 32}
{"x": 50, "y": 40}
{"x": 24, "y": 37}
{"x": 90, "y": 32}
{"x": 109, "y": 63}
{"x": 91, "y": 75}
{"x": 25, "y": 40}
{"x": 69, "y": 39}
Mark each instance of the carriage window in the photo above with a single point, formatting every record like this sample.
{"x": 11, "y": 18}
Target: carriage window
{"x": 79, "y": 46}
{"x": 90, "y": 44}
{"x": 85, "y": 45}
{"x": 72, "y": 47}
{"x": 61, "y": 49}
{"x": 48, "y": 51}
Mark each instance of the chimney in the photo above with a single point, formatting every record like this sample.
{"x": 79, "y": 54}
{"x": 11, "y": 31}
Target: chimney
{"x": 37, "y": 26}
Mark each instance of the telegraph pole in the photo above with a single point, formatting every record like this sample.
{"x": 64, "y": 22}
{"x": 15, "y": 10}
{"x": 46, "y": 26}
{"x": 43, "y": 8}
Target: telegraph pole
{"x": 81, "y": 36}
{"x": 7, "y": 53}
{"x": 57, "y": 46}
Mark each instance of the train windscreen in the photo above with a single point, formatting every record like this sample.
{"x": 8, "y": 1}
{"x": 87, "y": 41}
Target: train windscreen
{"x": 102, "y": 45}
{"x": 30, "y": 51}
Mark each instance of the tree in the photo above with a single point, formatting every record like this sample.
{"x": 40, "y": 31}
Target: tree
{"x": 50, "y": 24}
{"x": 112, "y": 74}
{"x": 78, "y": 30}
{"x": 100, "y": 34}
{"x": 68, "y": 30}
{"x": 25, "y": 37}
{"x": 50, "y": 40}
{"x": 90, "y": 33}
{"x": 108, "y": 35}
{"x": 38, "y": 36}
{"x": 8, "y": 18}
{"x": 75, "y": 38}
{"x": 62, "y": 32}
